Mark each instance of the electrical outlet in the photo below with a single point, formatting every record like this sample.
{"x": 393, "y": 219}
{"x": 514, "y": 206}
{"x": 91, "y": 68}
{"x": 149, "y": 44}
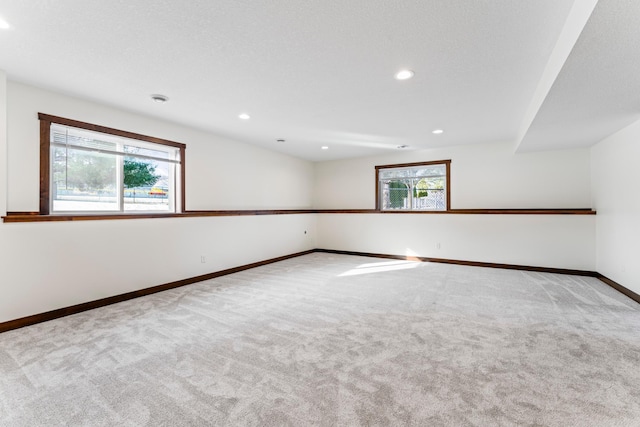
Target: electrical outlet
{"x": 203, "y": 259}
{"x": 438, "y": 245}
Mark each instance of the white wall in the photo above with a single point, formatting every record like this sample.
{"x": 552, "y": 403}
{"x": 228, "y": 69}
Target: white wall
{"x": 45, "y": 266}
{"x": 482, "y": 177}
{"x": 556, "y": 241}
{"x": 51, "y": 265}
{"x": 616, "y": 195}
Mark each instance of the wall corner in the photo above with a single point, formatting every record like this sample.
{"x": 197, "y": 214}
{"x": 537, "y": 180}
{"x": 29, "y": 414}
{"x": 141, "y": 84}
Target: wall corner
{"x": 3, "y": 143}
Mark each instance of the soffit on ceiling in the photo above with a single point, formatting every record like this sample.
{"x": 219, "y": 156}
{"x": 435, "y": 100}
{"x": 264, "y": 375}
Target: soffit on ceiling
{"x": 597, "y": 92}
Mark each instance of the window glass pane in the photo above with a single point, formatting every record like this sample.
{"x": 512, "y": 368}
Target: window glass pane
{"x": 147, "y": 185}
{"x": 90, "y": 140}
{"x": 65, "y": 135}
{"x": 395, "y": 194}
{"x": 421, "y": 187}
{"x": 429, "y": 194}
{"x": 147, "y": 152}
{"x": 105, "y": 172}
{"x": 84, "y": 180}
{"x": 411, "y": 172}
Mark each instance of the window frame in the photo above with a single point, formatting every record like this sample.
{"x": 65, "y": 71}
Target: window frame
{"x": 447, "y": 164}
{"x": 47, "y": 120}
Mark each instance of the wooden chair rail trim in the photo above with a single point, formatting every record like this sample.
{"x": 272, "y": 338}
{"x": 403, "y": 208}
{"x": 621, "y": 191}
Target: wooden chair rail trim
{"x": 25, "y": 216}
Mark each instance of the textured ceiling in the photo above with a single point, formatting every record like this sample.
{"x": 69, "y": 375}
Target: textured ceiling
{"x": 598, "y": 90}
{"x": 320, "y": 72}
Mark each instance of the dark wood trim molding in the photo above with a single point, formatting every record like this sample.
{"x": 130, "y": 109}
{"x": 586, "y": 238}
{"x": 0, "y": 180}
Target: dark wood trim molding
{"x": 79, "y": 308}
{"x": 104, "y": 129}
{"x": 468, "y": 263}
{"x": 45, "y": 165}
{"x": 448, "y": 172}
{"x": 447, "y": 163}
{"x": 581, "y": 211}
{"x": 30, "y": 217}
{"x": 618, "y": 287}
{"x": 196, "y": 214}
{"x": 377, "y": 206}
{"x": 183, "y": 178}
{"x": 37, "y": 217}
{"x": 534, "y": 211}
{"x": 22, "y": 213}
{"x": 349, "y": 211}
{"x": 409, "y": 165}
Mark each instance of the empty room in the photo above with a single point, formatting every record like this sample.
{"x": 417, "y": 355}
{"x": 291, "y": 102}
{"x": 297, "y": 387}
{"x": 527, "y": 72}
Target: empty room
{"x": 320, "y": 213}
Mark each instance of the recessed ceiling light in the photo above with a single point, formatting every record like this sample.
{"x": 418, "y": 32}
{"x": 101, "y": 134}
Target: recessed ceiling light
{"x": 159, "y": 98}
{"x": 324, "y": 147}
{"x": 280, "y": 140}
{"x": 4, "y": 25}
{"x": 437, "y": 132}
{"x": 404, "y": 74}
{"x": 244, "y": 116}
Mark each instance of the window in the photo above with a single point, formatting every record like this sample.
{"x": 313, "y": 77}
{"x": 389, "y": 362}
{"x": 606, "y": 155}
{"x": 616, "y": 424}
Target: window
{"x": 413, "y": 186}
{"x": 87, "y": 168}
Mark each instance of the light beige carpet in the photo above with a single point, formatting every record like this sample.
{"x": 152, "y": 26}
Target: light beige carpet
{"x": 333, "y": 340}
